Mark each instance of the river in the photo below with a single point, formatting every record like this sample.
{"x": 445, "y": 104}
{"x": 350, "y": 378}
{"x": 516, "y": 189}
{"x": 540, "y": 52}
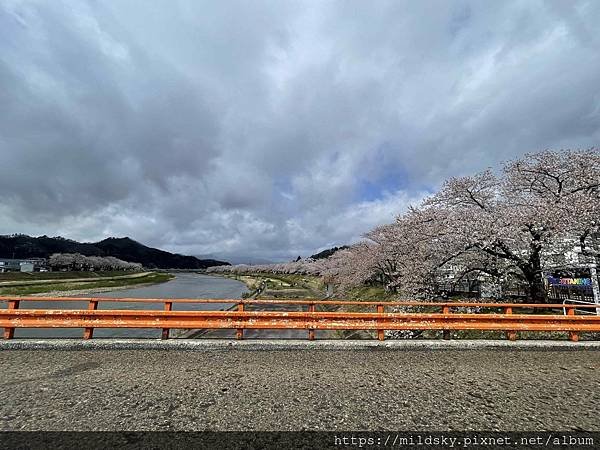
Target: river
{"x": 185, "y": 285}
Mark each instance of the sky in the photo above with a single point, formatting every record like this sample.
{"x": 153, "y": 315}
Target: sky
{"x": 265, "y": 130}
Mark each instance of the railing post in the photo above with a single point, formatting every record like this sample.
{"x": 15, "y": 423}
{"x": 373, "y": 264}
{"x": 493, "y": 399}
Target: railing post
{"x": 165, "y": 331}
{"x": 9, "y": 332}
{"x": 89, "y": 331}
{"x": 380, "y": 332}
{"x": 511, "y": 335}
{"x": 446, "y": 333}
{"x": 239, "y": 334}
{"x": 573, "y": 335}
{"x": 311, "y": 331}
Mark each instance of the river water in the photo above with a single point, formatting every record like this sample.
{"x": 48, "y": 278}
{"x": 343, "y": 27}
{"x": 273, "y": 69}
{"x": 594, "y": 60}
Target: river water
{"x": 185, "y": 285}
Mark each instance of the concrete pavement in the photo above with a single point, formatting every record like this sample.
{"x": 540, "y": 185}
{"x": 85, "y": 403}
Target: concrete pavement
{"x": 232, "y": 388}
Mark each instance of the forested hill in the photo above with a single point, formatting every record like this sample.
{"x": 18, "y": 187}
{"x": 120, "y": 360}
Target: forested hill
{"x": 327, "y": 253}
{"x": 126, "y": 249}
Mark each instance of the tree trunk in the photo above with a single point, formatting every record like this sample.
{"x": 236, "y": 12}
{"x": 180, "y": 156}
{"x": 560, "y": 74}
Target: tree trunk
{"x": 533, "y": 271}
{"x": 537, "y": 290}
{"x": 535, "y": 283}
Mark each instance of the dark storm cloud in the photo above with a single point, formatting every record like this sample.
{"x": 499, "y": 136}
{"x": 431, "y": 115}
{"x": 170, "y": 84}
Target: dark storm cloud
{"x": 274, "y": 128}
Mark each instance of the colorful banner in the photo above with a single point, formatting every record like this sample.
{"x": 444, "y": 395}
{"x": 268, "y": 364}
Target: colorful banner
{"x": 554, "y": 281}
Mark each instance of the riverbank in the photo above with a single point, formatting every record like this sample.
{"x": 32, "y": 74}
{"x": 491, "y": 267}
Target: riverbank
{"x": 79, "y": 285}
{"x": 266, "y": 285}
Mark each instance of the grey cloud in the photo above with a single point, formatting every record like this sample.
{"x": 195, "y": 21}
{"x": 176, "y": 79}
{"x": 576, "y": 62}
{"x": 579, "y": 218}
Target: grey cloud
{"x": 250, "y": 127}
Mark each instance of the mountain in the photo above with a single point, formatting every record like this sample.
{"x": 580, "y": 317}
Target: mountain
{"x": 126, "y": 249}
{"x": 327, "y": 253}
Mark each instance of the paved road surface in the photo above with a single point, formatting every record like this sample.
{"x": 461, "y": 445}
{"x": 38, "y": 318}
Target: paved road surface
{"x": 299, "y": 389}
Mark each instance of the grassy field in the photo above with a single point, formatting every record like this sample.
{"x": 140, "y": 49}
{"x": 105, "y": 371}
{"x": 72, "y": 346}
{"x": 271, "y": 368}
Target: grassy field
{"x": 31, "y": 276}
{"x": 99, "y": 282}
{"x": 282, "y": 286}
{"x": 370, "y": 293}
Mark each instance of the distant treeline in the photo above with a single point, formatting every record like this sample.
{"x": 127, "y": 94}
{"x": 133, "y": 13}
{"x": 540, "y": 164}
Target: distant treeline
{"x": 23, "y": 247}
{"x": 76, "y": 261}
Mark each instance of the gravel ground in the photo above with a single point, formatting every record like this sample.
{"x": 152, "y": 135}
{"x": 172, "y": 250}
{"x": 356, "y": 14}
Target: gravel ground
{"x": 234, "y": 389}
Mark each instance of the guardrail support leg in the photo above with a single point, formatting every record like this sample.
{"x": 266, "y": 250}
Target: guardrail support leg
{"x": 511, "y": 335}
{"x": 88, "y": 333}
{"x": 380, "y": 333}
{"x": 311, "y": 331}
{"x": 165, "y": 331}
{"x": 446, "y": 333}
{"x": 9, "y": 332}
{"x": 239, "y": 333}
{"x": 573, "y": 335}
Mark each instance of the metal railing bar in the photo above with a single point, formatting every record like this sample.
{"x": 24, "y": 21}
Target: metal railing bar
{"x": 579, "y": 304}
{"x": 310, "y": 319}
{"x": 109, "y": 320}
{"x": 295, "y": 302}
{"x": 325, "y": 315}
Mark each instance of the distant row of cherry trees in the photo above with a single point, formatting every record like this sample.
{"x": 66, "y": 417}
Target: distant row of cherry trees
{"x": 537, "y": 214}
{"x": 77, "y": 261}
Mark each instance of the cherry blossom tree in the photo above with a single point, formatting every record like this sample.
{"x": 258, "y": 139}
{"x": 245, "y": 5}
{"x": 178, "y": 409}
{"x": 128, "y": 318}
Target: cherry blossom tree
{"x": 516, "y": 223}
{"x": 510, "y": 224}
{"x": 76, "y": 261}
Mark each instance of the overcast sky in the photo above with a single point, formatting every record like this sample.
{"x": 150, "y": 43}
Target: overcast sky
{"x": 275, "y": 129}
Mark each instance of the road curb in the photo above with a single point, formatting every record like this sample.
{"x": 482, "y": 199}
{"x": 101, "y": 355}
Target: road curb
{"x": 269, "y": 344}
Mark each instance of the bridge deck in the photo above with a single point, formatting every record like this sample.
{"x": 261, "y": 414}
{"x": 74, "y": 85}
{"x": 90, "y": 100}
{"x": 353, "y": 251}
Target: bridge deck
{"x": 277, "y": 390}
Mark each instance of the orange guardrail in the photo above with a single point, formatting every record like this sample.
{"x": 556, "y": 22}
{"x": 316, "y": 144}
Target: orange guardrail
{"x": 446, "y": 316}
